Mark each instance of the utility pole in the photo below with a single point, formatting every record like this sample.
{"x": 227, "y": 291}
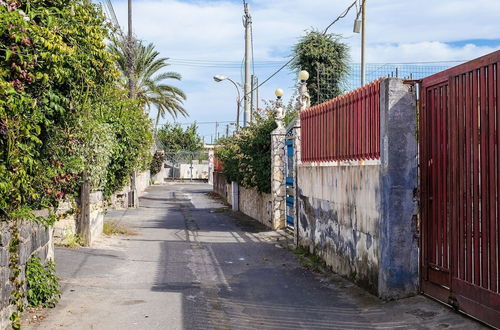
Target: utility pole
{"x": 247, "y": 23}
{"x": 130, "y": 53}
{"x": 216, "y": 130}
{"x": 256, "y": 93}
{"x": 363, "y": 35}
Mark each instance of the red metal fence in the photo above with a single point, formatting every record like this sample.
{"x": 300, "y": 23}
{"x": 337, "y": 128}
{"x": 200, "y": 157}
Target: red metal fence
{"x": 344, "y": 128}
{"x": 460, "y": 187}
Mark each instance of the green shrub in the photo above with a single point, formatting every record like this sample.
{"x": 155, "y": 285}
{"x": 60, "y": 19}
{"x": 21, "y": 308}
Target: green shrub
{"x": 43, "y": 287}
{"x": 157, "y": 162}
{"x": 247, "y": 155}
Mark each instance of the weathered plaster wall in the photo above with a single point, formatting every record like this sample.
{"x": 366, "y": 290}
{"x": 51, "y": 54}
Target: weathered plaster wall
{"x": 221, "y": 187}
{"x": 256, "y": 205}
{"x": 72, "y": 222}
{"x": 66, "y": 225}
{"x": 339, "y": 211}
{"x": 196, "y": 171}
{"x": 160, "y": 177}
{"x": 399, "y": 183}
{"x": 142, "y": 182}
{"x": 360, "y": 217}
{"x": 96, "y": 224}
{"x": 35, "y": 239}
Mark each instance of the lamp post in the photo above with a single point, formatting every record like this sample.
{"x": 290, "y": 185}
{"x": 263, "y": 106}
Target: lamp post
{"x": 219, "y": 78}
{"x": 279, "y": 108}
{"x": 304, "y": 99}
{"x": 359, "y": 24}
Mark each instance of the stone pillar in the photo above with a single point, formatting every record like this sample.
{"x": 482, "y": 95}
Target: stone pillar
{"x": 398, "y": 269}
{"x": 278, "y": 186}
{"x": 297, "y": 163}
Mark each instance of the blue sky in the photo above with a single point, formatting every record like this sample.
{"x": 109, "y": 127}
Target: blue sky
{"x": 205, "y": 38}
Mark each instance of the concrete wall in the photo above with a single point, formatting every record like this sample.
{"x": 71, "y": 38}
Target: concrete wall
{"x": 256, "y": 205}
{"x": 142, "y": 182}
{"x": 160, "y": 177}
{"x": 35, "y": 239}
{"x": 398, "y": 276}
{"x": 339, "y": 212}
{"x": 195, "y": 171}
{"x": 96, "y": 219}
{"x": 73, "y": 223}
{"x": 66, "y": 225}
{"x": 221, "y": 187}
{"x": 360, "y": 216}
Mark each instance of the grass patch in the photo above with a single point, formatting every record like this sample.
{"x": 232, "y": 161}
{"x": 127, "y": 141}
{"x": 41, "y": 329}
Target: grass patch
{"x": 310, "y": 261}
{"x": 71, "y": 241}
{"x": 114, "y": 228}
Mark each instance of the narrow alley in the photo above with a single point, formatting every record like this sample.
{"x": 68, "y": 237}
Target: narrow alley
{"x": 192, "y": 264}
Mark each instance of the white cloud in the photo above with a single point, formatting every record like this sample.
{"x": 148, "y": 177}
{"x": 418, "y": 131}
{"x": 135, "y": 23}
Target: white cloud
{"x": 397, "y": 31}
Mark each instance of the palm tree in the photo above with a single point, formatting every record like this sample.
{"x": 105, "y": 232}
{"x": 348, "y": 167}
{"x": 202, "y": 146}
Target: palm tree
{"x": 148, "y": 83}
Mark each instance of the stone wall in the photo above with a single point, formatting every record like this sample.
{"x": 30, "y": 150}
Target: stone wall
{"x": 339, "y": 212}
{"x": 360, "y": 216}
{"x": 35, "y": 239}
{"x": 66, "y": 225}
{"x": 256, "y": 205}
{"x": 221, "y": 187}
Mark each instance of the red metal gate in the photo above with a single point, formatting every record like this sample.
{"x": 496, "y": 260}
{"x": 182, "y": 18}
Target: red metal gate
{"x": 460, "y": 187}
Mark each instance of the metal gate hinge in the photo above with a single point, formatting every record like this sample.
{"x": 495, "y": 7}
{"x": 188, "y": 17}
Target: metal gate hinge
{"x": 452, "y": 301}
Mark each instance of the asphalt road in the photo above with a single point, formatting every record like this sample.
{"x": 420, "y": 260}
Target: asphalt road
{"x": 194, "y": 265}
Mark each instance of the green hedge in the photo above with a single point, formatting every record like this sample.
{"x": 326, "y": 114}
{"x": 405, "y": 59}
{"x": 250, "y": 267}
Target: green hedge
{"x": 61, "y": 110}
{"x": 247, "y": 155}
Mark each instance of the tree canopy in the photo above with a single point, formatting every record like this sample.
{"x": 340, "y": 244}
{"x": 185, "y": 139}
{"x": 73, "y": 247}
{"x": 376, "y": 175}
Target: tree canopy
{"x": 149, "y": 79}
{"x": 326, "y": 58}
{"x": 172, "y": 137}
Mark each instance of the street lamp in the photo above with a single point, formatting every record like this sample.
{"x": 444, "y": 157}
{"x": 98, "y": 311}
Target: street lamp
{"x": 304, "y": 99}
{"x": 279, "y": 108}
{"x": 360, "y": 25}
{"x": 219, "y": 78}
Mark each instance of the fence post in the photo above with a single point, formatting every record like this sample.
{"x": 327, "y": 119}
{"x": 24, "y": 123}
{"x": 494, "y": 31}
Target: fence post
{"x": 278, "y": 184}
{"x": 278, "y": 178}
{"x": 398, "y": 269}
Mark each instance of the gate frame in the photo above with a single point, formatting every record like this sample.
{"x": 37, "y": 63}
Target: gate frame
{"x": 467, "y": 297}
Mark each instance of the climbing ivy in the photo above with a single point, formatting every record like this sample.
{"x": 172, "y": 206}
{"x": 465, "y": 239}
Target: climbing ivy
{"x": 43, "y": 287}
{"x": 62, "y": 114}
{"x": 61, "y": 110}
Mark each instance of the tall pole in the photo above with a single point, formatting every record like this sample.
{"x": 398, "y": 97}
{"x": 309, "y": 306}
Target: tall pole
{"x": 130, "y": 48}
{"x": 238, "y": 106}
{"x": 252, "y": 99}
{"x": 216, "y": 130}
{"x": 256, "y": 94}
{"x": 248, "y": 49}
{"x": 363, "y": 35}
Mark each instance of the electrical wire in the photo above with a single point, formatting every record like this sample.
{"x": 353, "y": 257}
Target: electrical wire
{"x": 342, "y": 15}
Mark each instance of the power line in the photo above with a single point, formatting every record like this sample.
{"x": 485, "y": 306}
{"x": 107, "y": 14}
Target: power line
{"x": 342, "y": 15}
{"x": 198, "y": 123}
